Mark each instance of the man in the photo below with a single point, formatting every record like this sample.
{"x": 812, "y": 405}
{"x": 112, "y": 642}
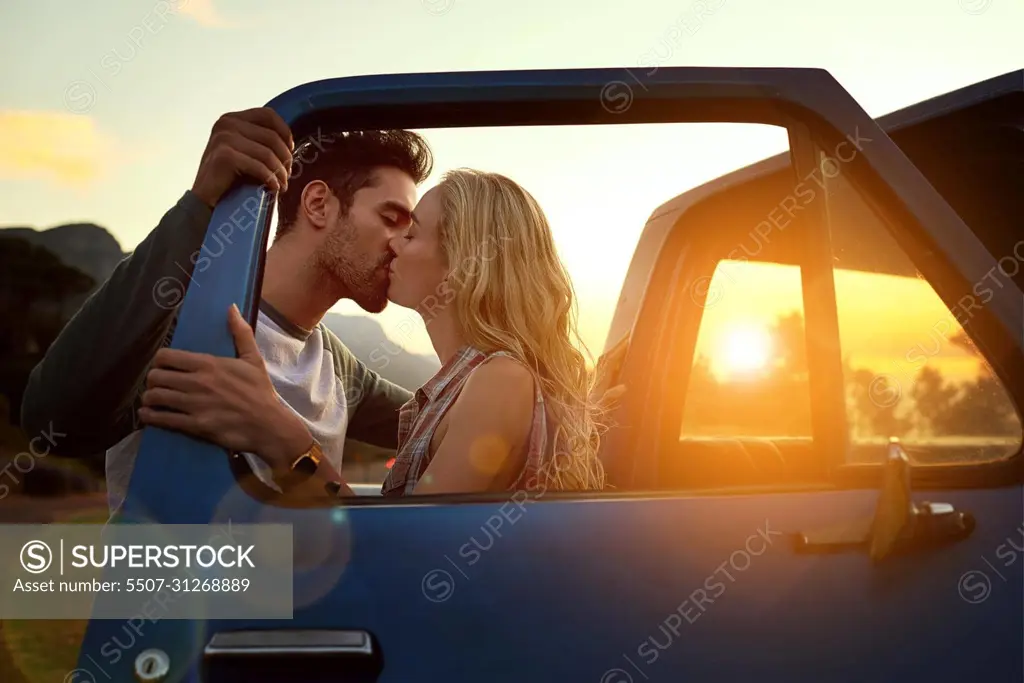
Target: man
{"x": 335, "y": 220}
{"x": 336, "y": 217}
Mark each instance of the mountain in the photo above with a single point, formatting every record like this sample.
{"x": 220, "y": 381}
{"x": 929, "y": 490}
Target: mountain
{"x": 365, "y": 337}
{"x": 85, "y": 246}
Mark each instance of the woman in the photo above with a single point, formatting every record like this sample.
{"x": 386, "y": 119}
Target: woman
{"x": 510, "y": 407}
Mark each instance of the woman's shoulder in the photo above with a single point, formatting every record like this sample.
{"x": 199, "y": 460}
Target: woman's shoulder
{"x": 481, "y": 381}
{"x": 501, "y": 374}
{"x": 499, "y": 394}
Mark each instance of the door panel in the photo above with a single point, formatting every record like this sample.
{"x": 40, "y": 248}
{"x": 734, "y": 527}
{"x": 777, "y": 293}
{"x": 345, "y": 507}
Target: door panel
{"x": 573, "y": 591}
{"x": 573, "y": 587}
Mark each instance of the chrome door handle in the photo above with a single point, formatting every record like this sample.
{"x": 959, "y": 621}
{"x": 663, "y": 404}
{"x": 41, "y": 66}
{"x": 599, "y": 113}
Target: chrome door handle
{"x": 899, "y": 525}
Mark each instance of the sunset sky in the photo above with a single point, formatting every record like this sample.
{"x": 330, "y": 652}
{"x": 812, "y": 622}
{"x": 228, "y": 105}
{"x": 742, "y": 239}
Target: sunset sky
{"x": 106, "y": 107}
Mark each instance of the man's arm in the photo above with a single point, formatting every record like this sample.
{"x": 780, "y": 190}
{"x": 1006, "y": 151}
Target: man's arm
{"x": 87, "y": 383}
{"x": 373, "y": 401}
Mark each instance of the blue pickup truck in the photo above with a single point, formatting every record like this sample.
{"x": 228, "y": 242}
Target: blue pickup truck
{"x": 839, "y": 546}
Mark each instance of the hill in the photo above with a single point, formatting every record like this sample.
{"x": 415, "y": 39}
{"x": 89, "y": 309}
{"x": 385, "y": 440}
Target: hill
{"x": 365, "y": 337}
{"x": 86, "y": 247}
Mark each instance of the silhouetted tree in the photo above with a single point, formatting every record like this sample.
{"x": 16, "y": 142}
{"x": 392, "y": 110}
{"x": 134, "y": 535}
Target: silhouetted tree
{"x": 961, "y": 340}
{"x": 790, "y": 346}
{"x": 877, "y": 400}
{"x": 932, "y": 398}
{"x": 982, "y": 407}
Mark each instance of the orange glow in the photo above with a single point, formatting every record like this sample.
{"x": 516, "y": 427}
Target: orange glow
{"x": 746, "y": 348}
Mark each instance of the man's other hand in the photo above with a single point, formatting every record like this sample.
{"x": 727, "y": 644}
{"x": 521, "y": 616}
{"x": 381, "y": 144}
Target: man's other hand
{"x": 255, "y": 144}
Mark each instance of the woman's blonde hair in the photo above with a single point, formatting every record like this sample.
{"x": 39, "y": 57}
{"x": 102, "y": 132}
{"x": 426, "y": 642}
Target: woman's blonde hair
{"x": 512, "y": 293}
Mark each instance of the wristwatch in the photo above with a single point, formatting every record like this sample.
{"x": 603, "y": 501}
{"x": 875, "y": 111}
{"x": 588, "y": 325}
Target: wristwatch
{"x": 302, "y": 468}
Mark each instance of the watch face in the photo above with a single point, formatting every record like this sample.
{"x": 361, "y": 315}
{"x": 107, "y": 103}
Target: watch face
{"x": 307, "y": 466}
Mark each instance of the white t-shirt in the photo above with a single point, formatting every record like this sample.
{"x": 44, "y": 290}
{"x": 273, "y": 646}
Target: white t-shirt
{"x": 301, "y": 369}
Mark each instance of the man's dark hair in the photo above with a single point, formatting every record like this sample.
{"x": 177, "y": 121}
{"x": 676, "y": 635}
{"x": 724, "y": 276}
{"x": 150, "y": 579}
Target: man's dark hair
{"x": 346, "y": 161}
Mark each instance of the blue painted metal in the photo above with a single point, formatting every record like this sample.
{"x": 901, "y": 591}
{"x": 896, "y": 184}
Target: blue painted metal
{"x": 611, "y": 574}
{"x": 572, "y": 563}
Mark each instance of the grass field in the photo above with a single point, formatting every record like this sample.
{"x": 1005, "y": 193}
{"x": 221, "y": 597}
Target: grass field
{"x": 44, "y": 650}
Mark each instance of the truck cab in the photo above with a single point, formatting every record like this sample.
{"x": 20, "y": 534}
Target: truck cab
{"x": 850, "y": 512}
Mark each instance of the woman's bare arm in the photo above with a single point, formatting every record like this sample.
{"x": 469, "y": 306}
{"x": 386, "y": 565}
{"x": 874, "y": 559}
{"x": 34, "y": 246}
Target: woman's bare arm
{"x": 488, "y": 426}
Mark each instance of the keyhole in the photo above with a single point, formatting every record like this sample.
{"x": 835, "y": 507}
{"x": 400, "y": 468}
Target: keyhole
{"x": 151, "y": 665}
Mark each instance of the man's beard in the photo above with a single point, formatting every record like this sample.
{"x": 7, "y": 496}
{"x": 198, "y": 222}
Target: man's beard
{"x": 360, "y": 279}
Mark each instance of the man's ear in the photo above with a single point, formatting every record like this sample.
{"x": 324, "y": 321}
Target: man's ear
{"x": 315, "y": 203}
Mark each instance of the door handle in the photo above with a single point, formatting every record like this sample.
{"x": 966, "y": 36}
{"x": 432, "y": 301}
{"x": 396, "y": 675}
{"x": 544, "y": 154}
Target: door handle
{"x": 308, "y": 655}
{"x": 934, "y": 524}
{"x": 898, "y": 526}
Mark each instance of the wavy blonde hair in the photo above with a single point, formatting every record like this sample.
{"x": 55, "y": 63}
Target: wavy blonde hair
{"x": 513, "y": 294}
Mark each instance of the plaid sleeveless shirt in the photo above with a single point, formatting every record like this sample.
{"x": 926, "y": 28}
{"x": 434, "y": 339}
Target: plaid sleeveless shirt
{"x": 420, "y": 416}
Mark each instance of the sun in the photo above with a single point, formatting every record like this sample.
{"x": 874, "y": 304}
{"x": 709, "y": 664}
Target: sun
{"x": 746, "y": 349}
